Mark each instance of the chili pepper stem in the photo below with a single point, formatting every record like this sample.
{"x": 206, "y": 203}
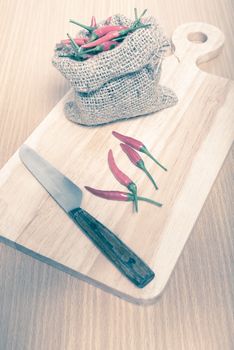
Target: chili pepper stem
{"x": 135, "y": 12}
{"x": 141, "y": 165}
{"x": 143, "y": 13}
{"x": 138, "y": 20}
{"x": 90, "y": 29}
{"x": 151, "y": 178}
{"x": 76, "y": 48}
{"x": 132, "y": 187}
{"x": 136, "y": 202}
{"x": 93, "y": 37}
{"x": 95, "y": 49}
{"x": 125, "y": 31}
{"x": 149, "y": 201}
{"x": 145, "y": 150}
{"x": 133, "y": 28}
{"x": 119, "y": 38}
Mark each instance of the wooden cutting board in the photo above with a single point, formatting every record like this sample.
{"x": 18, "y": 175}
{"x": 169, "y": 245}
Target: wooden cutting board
{"x": 192, "y": 139}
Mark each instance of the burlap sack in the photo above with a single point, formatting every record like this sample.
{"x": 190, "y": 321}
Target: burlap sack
{"x": 121, "y": 83}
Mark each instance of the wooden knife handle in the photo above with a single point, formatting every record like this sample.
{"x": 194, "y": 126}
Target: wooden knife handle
{"x": 113, "y": 248}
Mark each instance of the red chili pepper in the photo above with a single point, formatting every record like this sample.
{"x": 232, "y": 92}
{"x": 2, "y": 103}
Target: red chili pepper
{"x": 112, "y": 195}
{"x": 121, "y": 177}
{"x": 106, "y": 29}
{"x": 119, "y": 196}
{"x": 128, "y": 140}
{"x": 138, "y": 145}
{"x": 132, "y": 155}
{"x": 137, "y": 160}
{"x": 100, "y": 32}
{"x": 112, "y": 35}
{"x": 108, "y": 20}
{"x": 99, "y": 41}
{"x": 93, "y": 22}
{"x": 78, "y": 41}
{"x": 78, "y": 54}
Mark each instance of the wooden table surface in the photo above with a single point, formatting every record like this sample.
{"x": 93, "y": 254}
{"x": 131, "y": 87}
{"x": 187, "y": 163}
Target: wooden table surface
{"x": 43, "y": 308}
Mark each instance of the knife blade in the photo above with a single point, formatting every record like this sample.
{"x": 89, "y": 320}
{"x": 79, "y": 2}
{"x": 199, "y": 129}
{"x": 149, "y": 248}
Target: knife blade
{"x": 69, "y": 197}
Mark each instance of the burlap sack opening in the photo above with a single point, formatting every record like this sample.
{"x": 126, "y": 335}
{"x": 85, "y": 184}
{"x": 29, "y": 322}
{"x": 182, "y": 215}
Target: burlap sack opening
{"x": 121, "y": 83}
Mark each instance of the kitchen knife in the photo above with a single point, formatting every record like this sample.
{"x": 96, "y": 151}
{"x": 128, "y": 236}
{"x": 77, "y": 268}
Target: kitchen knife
{"x": 69, "y": 197}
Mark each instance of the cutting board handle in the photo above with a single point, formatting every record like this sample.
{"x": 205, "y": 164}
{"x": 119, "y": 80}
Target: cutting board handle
{"x": 197, "y": 42}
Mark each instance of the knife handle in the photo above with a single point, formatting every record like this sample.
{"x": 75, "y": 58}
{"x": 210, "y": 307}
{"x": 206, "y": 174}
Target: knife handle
{"x": 113, "y": 248}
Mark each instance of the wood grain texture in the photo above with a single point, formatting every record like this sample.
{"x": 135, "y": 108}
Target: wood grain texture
{"x": 42, "y": 308}
{"x": 192, "y": 138}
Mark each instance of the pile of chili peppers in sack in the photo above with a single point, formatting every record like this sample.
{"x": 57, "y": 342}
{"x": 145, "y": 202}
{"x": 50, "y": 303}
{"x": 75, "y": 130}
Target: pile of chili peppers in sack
{"x": 99, "y": 39}
{"x": 130, "y": 146}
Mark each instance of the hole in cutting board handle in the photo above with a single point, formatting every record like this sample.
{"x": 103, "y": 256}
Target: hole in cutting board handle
{"x": 197, "y": 37}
